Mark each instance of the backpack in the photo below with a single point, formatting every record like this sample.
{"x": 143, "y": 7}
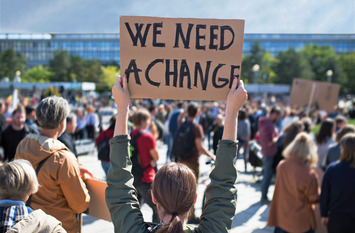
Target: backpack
{"x": 103, "y": 149}
{"x": 255, "y": 156}
{"x": 137, "y": 170}
{"x": 184, "y": 141}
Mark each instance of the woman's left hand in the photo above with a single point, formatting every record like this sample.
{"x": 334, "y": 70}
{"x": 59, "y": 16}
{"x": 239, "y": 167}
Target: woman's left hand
{"x": 120, "y": 93}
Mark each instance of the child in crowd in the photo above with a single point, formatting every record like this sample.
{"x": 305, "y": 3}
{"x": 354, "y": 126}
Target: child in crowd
{"x": 18, "y": 181}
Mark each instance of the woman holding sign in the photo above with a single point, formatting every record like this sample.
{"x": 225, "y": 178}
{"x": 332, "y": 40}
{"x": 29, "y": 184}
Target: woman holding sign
{"x": 174, "y": 186}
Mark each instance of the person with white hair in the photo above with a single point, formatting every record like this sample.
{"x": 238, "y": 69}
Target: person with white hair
{"x": 63, "y": 193}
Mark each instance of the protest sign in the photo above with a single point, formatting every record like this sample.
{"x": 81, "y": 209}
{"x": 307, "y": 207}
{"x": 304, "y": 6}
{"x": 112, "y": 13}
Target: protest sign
{"x": 180, "y": 58}
{"x": 322, "y": 94}
{"x": 97, "y": 206}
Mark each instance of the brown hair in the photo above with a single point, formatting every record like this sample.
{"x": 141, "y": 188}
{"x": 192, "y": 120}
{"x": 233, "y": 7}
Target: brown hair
{"x": 174, "y": 189}
{"x": 291, "y": 132}
{"x": 19, "y": 109}
{"x": 343, "y": 131}
{"x": 348, "y": 145}
{"x": 139, "y": 116}
{"x": 326, "y": 131}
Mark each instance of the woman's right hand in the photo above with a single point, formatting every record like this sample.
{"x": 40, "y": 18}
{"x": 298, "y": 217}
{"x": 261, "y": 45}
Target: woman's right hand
{"x": 120, "y": 93}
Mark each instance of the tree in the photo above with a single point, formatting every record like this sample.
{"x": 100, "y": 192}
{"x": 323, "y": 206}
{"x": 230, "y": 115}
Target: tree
{"x": 290, "y": 65}
{"x": 322, "y": 59}
{"x": 77, "y": 68}
{"x": 10, "y": 62}
{"x": 38, "y": 74}
{"x": 109, "y": 74}
{"x": 93, "y": 72}
{"x": 248, "y": 61}
{"x": 60, "y": 66}
{"x": 347, "y": 62}
{"x": 266, "y": 72}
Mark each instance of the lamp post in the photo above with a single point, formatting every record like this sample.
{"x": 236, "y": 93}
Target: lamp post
{"x": 255, "y": 69}
{"x": 329, "y": 75}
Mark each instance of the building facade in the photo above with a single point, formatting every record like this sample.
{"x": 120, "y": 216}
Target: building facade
{"x": 39, "y": 49}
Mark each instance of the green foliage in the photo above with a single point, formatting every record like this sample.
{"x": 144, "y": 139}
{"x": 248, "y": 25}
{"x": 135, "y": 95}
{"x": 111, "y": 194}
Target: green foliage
{"x": 74, "y": 68}
{"x": 347, "y": 62}
{"x": 289, "y": 65}
{"x": 37, "y": 74}
{"x": 60, "y": 66}
{"x": 109, "y": 74}
{"x": 322, "y": 59}
{"x": 249, "y": 61}
{"x": 10, "y": 62}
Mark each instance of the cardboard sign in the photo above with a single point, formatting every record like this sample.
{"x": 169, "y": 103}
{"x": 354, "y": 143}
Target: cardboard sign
{"x": 180, "y": 58}
{"x": 97, "y": 206}
{"x": 322, "y": 94}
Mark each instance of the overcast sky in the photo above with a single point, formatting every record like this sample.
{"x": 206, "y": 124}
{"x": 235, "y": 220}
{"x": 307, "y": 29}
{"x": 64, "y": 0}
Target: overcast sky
{"x": 102, "y": 16}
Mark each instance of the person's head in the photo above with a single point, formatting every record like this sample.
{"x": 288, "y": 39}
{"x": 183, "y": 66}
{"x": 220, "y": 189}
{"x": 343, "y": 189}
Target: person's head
{"x": 345, "y": 130}
{"x": 174, "y": 192}
{"x": 153, "y": 110}
{"x": 347, "y": 145}
{"x": 112, "y": 122}
{"x": 326, "y": 131}
{"x": 219, "y": 120}
{"x": 275, "y": 114}
{"x": 303, "y": 149}
{"x": 79, "y": 113}
{"x": 242, "y": 115}
{"x": 291, "y": 131}
{"x": 51, "y": 113}
{"x": 71, "y": 123}
{"x": 18, "y": 180}
{"x": 90, "y": 108}
{"x": 30, "y": 113}
{"x": 340, "y": 122}
{"x": 18, "y": 117}
{"x": 141, "y": 118}
{"x": 192, "y": 110}
{"x": 307, "y": 124}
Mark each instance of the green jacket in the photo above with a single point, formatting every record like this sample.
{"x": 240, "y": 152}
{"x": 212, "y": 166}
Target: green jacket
{"x": 121, "y": 197}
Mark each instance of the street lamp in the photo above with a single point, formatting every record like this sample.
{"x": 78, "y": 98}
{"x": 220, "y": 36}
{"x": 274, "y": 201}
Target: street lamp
{"x": 255, "y": 69}
{"x": 329, "y": 75}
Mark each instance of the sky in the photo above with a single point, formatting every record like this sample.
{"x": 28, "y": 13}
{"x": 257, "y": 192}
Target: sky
{"x": 102, "y": 16}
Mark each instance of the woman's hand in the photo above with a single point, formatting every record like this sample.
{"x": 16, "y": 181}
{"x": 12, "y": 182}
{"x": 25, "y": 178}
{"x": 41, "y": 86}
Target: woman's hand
{"x": 120, "y": 93}
{"x": 235, "y": 100}
{"x": 236, "y": 96}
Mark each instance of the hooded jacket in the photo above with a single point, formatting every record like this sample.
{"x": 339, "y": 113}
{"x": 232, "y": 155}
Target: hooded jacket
{"x": 62, "y": 192}
{"x": 38, "y": 222}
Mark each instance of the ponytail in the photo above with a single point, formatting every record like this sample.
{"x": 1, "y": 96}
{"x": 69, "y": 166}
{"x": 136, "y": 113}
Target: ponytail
{"x": 175, "y": 226}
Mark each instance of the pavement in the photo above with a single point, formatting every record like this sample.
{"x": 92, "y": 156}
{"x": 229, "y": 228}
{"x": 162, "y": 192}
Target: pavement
{"x": 251, "y": 215}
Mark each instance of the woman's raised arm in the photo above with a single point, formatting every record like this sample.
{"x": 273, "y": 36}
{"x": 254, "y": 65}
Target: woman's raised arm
{"x": 121, "y": 96}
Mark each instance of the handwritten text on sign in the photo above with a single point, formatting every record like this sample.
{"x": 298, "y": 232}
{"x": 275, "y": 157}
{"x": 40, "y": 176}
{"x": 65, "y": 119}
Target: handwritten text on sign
{"x": 171, "y": 58}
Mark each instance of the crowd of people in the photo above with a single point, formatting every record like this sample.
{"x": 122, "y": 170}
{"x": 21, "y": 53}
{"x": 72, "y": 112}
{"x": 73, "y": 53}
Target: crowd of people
{"x": 315, "y": 173}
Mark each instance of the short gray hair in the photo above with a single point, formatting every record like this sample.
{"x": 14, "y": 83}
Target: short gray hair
{"x": 17, "y": 179}
{"x": 51, "y": 112}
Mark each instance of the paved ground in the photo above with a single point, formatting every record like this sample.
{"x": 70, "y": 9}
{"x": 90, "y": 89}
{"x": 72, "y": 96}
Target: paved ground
{"x": 251, "y": 214}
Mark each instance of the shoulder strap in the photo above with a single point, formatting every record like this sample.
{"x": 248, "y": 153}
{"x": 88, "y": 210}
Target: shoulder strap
{"x": 134, "y": 139}
{"x": 37, "y": 170}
